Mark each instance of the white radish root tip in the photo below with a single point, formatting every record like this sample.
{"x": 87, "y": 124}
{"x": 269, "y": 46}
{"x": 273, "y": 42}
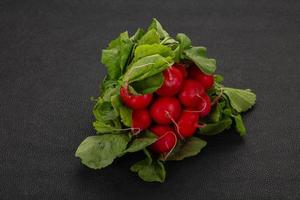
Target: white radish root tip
{"x": 176, "y": 125}
{"x": 166, "y": 155}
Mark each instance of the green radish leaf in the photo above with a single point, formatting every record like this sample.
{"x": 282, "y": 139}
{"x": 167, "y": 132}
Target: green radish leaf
{"x": 239, "y": 124}
{"x": 147, "y": 50}
{"x": 189, "y": 147}
{"x": 218, "y": 78}
{"x": 177, "y": 54}
{"x": 112, "y": 64}
{"x": 227, "y": 112}
{"x": 116, "y": 103}
{"x": 240, "y": 100}
{"x": 144, "y": 140}
{"x": 170, "y": 42}
{"x": 146, "y": 67}
{"x": 98, "y": 152}
{"x": 148, "y": 85}
{"x": 104, "y": 111}
{"x": 150, "y": 171}
{"x": 116, "y": 55}
{"x": 126, "y": 115}
{"x": 215, "y": 114}
{"x": 138, "y": 35}
{"x": 150, "y": 37}
{"x": 148, "y": 155}
{"x": 108, "y": 88}
{"x": 216, "y": 128}
{"x": 198, "y": 56}
{"x": 108, "y": 93}
{"x": 112, "y": 126}
{"x": 157, "y": 26}
{"x": 106, "y": 83}
{"x": 184, "y": 43}
{"x": 222, "y": 104}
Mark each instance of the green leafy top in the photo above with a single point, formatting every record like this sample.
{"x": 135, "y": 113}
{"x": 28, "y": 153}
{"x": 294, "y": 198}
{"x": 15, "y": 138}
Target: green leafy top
{"x": 158, "y": 27}
{"x": 116, "y": 55}
{"x": 145, "y": 54}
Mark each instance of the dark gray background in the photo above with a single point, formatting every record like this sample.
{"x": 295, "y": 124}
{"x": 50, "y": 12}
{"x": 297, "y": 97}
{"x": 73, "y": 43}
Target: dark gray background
{"x": 49, "y": 68}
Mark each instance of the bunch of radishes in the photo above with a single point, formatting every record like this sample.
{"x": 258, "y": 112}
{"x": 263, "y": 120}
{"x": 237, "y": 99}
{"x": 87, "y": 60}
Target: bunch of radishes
{"x": 173, "y": 112}
{"x": 149, "y": 103}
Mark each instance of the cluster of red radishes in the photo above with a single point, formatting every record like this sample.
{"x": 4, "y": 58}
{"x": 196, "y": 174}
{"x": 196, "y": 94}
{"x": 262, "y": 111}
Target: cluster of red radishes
{"x": 175, "y": 108}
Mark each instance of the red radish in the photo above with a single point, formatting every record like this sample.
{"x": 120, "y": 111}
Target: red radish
{"x": 165, "y": 110}
{"x": 135, "y": 101}
{"x": 187, "y": 124}
{"x": 141, "y": 119}
{"x": 206, "y": 80}
{"x": 166, "y": 138}
{"x": 182, "y": 69}
{"x": 173, "y": 79}
{"x": 204, "y": 106}
{"x": 190, "y": 92}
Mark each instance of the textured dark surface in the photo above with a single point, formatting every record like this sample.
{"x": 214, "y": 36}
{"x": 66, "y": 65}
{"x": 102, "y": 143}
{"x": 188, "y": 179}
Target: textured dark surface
{"x": 49, "y": 68}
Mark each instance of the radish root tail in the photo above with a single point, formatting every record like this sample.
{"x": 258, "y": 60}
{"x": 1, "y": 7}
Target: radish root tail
{"x": 175, "y": 123}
